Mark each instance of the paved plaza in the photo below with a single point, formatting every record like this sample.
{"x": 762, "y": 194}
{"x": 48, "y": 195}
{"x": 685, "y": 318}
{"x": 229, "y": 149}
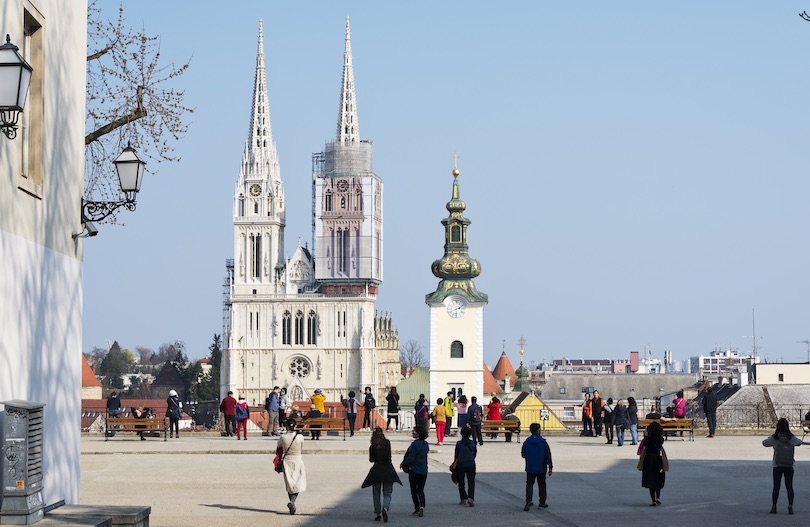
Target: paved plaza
{"x": 212, "y": 480}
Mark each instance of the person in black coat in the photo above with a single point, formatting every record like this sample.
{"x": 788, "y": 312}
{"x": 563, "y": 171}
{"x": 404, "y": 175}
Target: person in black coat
{"x": 710, "y": 409}
{"x": 314, "y": 412}
{"x": 393, "y": 409}
{"x": 382, "y": 474}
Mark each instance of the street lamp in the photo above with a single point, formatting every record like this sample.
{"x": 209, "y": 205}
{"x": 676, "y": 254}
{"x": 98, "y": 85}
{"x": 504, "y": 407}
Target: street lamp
{"x": 130, "y": 169}
{"x": 15, "y": 77}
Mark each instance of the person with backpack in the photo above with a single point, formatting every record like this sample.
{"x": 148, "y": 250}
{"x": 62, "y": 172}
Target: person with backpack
{"x": 783, "y": 443}
{"x": 271, "y": 405}
{"x": 474, "y": 418}
{"x": 369, "y": 404}
{"x": 421, "y": 413}
{"x": 173, "y": 409}
{"x": 241, "y": 417}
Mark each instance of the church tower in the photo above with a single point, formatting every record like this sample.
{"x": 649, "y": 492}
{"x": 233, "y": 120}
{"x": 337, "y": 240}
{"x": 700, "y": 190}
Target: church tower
{"x": 347, "y": 202}
{"x": 456, "y": 311}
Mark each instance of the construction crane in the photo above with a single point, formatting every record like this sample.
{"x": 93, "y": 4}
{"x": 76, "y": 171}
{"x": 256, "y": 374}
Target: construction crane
{"x": 808, "y": 348}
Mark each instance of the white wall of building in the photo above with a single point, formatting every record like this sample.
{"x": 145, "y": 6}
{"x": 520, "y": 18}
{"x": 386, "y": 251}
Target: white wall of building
{"x": 41, "y": 282}
{"x": 447, "y": 372}
{"x": 783, "y": 373}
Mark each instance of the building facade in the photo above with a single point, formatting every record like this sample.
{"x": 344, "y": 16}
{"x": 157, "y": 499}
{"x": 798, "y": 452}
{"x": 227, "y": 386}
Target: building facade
{"x": 308, "y": 321}
{"x": 456, "y": 312}
{"x": 41, "y": 188}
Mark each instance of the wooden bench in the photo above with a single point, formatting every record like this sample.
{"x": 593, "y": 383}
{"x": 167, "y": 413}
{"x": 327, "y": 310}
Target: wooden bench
{"x": 321, "y": 424}
{"x": 670, "y": 425}
{"x": 491, "y": 426}
{"x": 133, "y": 424}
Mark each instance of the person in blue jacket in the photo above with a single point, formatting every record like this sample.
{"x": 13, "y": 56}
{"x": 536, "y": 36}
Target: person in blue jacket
{"x": 415, "y": 464}
{"x": 536, "y": 452}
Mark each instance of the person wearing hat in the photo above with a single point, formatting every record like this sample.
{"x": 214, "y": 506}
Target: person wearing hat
{"x": 317, "y": 399}
{"x": 314, "y": 412}
{"x": 173, "y": 409}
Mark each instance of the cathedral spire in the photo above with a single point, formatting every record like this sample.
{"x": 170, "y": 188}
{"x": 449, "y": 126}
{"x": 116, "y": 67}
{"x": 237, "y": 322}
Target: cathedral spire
{"x": 348, "y": 131}
{"x": 261, "y": 150}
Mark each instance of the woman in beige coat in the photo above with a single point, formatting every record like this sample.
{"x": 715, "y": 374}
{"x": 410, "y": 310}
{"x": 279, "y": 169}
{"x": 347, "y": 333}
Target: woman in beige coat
{"x": 295, "y": 474}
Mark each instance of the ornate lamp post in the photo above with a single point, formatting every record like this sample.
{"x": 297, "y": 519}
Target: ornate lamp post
{"x": 15, "y": 77}
{"x": 130, "y": 170}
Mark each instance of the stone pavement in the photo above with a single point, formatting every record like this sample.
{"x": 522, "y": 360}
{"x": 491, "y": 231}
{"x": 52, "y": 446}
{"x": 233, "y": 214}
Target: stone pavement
{"x": 212, "y": 480}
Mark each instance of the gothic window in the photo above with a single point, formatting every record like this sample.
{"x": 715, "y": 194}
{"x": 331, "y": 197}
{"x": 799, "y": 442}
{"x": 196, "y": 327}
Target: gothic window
{"x": 456, "y": 350}
{"x": 358, "y": 200}
{"x": 328, "y": 200}
{"x": 256, "y": 255}
{"x": 256, "y": 208}
{"x": 299, "y": 327}
{"x": 241, "y": 207}
{"x": 299, "y": 367}
{"x": 455, "y": 233}
{"x": 312, "y": 328}
{"x": 343, "y": 250}
{"x": 342, "y": 202}
{"x": 286, "y": 328}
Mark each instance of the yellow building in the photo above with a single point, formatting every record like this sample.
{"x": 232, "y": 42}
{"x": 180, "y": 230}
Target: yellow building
{"x": 530, "y": 410}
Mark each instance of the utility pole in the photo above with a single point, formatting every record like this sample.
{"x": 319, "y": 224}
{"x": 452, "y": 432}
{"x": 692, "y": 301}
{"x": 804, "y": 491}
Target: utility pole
{"x": 808, "y": 348}
{"x": 754, "y": 337}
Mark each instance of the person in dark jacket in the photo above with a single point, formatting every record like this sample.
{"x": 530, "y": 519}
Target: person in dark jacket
{"x": 113, "y": 409}
{"x": 653, "y": 475}
{"x": 607, "y": 420}
{"x": 393, "y": 409}
{"x": 350, "y": 405}
{"x": 420, "y": 410}
{"x": 415, "y": 464}
{"x": 382, "y": 474}
{"x": 621, "y": 420}
{"x": 314, "y": 412}
{"x": 228, "y": 408}
{"x": 710, "y": 409}
{"x": 632, "y": 412}
{"x": 173, "y": 410}
{"x": 596, "y": 413}
{"x": 369, "y": 404}
{"x": 475, "y": 415}
{"x": 465, "y": 467}
{"x": 536, "y": 452}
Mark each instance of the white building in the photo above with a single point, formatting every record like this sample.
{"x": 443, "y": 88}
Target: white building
{"x": 41, "y": 188}
{"x": 309, "y": 321}
{"x": 456, "y": 312}
{"x": 723, "y": 364}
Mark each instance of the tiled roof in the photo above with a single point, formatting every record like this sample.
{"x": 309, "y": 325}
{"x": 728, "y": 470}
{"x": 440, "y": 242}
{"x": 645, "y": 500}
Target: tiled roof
{"x": 490, "y": 384}
{"x": 88, "y": 377}
{"x": 503, "y": 368}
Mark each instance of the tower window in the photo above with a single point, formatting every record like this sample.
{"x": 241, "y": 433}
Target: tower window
{"x": 299, "y": 327}
{"x": 286, "y": 328}
{"x": 256, "y": 255}
{"x": 456, "y": 350}
{"x": 328, "y": 200}
{"x": 312, "y": 328}
{"x": 455, "y": 234}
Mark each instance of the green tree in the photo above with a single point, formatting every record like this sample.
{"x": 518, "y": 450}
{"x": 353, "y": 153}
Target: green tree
{"x": 208, "y": 386}
{"x": 115, "y": 364}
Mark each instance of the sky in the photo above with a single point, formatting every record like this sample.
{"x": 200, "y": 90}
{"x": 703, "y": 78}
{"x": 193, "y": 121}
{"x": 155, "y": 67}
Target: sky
{"x": 634, "y": 172}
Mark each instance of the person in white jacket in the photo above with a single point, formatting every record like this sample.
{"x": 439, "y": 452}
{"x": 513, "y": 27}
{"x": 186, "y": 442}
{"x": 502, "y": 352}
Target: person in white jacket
{"x": 783, "y": 443}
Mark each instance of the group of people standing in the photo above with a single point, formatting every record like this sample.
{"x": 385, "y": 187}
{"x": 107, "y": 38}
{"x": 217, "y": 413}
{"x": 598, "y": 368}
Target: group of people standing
{"x": 599, "y": 415}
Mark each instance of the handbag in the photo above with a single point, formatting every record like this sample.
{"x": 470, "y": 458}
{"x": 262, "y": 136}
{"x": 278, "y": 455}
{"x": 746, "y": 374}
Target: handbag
{"x": 664, "y": 460}
{"x": 453, "y": 473}
{"x": 640, "y": 465}
{"x": 278, "y": 461}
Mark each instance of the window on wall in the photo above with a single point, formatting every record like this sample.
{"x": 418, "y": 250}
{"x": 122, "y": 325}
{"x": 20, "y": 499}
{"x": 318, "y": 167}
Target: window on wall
{"x": 286, "y": 328}
{"x": 781, "y": 377}
{"x": 328, "y": 201}
{"x": 256, "y": 255}
{"x": 456, "y": 350}
{"x": 312, "y": 328}
{"x": 299, "y": 328}
{"x": 30, "y": 132}
{"x": 568, "y": 412}
{"x": 299, "y": 367}
{"x": 455, "y": 234}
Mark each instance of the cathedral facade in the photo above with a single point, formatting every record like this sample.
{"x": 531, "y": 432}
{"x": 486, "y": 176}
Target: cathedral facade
{"x": 309, "y": 320}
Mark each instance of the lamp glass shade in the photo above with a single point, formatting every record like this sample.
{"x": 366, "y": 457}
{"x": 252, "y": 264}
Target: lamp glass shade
{"x": 15, "y": 77}
{"x": 130, "y": 170}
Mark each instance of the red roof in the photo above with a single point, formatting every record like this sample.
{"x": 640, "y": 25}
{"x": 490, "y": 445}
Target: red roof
{"x": 503, "y": 368}
{"x": 88, "y": 377}
{"x": 490, "y": 384}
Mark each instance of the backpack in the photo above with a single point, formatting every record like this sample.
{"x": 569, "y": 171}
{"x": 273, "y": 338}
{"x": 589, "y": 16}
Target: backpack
{"x": 476, "y": 415}
{"x": 241, "y": 414}
{"x": 173, "y": 411}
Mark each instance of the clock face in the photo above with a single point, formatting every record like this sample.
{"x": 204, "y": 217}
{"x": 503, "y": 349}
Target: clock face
{"x": 255, "y": 190}
{"x": 343, "y": 185}
{"x": 455, "y": 308}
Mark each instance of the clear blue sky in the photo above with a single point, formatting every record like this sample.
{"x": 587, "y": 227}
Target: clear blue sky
{"x": 635, "y": 172}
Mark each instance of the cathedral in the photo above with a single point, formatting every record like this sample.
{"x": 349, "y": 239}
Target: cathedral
{"x": 307, "y": 321}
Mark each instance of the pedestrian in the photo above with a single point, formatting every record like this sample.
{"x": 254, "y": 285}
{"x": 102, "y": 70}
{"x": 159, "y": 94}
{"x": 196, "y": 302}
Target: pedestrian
{"x": 596, "y": 413}
{"x": 679, "y": 408}
{"x": 393, "y": 409}
{"x": 283, "y": 407}
{"x": 295, "y": 474}
{"x": 449, "y": 407}
{"x": 439, "y": 416}
{"x": 632, "y": 412}
{"x": 382, "y": 475}
{"x": 228, "y": 408}
{"x": 242, "y": 416}
{"x": 461, "y": 409}
{"x": 318, "y": 399}
{"x": 421, "y": 412}
{"x": 621, "y": 420}
{"x": 494, "y": 413}
{"x": 587, "y": 422}
{"x": 140, "y": 413}
{"x": 350, "y": 405}
{"x": 173, "y": 409}
{"x": 272, "y": 407}
{"x": 474, "y": 419}
{"x": 464, "y": 460}
{"x": 537, "y": 453}
{"x": 509, "y": 415}
{"x": 710, "y": 409}
{"x": 652, "y": 462}
{"x": 369, "y": 404}
{"x": 113, "y": 410}
{"x": 415, "y": 465}
{"x": 783, "y": 443}
{"x": 314, "y": 429}
{"x": 607, "y": 412}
